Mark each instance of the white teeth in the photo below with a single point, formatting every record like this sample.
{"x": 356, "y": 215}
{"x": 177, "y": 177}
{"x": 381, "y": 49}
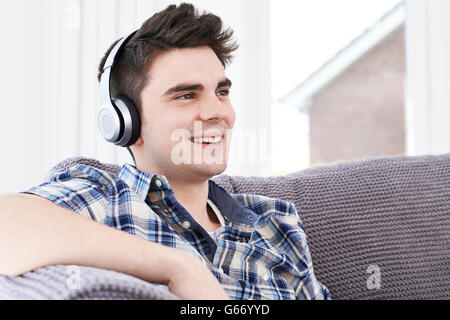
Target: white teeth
{"x": 208, "y": 140}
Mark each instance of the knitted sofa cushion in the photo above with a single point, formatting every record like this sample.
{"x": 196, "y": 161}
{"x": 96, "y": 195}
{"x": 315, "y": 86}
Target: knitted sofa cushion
{"x": 62, "y": 282}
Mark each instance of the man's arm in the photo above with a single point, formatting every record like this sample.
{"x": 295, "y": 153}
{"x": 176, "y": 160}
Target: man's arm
{"x": 35, "y": 232}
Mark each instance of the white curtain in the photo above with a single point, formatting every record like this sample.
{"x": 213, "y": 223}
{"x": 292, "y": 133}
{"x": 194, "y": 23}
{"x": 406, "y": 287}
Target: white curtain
{"x": 49, "y": 63}
{"x": 428, "y": 76}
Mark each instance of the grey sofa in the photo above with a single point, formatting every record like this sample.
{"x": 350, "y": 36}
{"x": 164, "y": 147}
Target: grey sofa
{"x": 377, "y": 229}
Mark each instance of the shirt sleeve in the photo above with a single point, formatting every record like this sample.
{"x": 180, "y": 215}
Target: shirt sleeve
{"x": 301, "y": 255}
{"x": 289, "y": 237}
{"x": 81, "y": 188}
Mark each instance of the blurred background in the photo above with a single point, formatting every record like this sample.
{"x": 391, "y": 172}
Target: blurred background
{"x": 314, "y": 82}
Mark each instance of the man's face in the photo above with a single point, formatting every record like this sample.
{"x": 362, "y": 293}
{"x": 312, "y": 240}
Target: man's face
{"x": 186, "y": 96}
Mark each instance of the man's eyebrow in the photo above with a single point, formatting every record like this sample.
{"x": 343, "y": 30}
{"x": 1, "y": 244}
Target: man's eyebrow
{"x": 224, "y": 83}
{"x": 183, "y": 87}
{"x": 193, "y": 86}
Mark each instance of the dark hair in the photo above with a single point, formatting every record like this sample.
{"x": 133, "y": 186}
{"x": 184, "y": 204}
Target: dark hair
{"x": 175, "y": 27}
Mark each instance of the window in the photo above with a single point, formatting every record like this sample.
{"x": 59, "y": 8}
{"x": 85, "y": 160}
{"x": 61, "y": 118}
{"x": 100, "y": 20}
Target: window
{"x": 337, "y": 81}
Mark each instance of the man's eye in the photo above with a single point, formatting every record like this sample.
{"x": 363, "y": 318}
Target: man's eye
{"x": 187, "y": 96}
{"x": 224, "y": 92}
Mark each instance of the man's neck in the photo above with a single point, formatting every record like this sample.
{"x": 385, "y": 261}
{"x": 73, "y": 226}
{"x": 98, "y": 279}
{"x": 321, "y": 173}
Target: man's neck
{"x": 192, "y": 194}
{"x": 193, "y": 197}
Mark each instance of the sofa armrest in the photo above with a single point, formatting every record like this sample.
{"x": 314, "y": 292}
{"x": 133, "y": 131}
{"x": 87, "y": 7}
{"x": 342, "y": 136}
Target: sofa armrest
{"x": 63, "y": 282}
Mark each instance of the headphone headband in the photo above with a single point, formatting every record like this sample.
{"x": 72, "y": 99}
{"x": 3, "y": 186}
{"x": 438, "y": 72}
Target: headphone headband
{"x": 105, "y": 92}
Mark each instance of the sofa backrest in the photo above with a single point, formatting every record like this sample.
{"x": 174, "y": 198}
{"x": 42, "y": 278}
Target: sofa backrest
{"x": 377, "y": 228}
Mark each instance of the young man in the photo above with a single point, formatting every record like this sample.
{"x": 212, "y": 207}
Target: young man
{"x": 163, "y": 220}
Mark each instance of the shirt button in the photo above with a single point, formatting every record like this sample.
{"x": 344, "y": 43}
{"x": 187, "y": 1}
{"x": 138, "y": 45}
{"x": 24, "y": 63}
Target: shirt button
{"x": 186, "y": 224}
{"x": 158, "y": 183}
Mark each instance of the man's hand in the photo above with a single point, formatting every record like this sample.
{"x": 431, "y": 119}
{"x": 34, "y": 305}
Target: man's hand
{"x": 190, "y": 279}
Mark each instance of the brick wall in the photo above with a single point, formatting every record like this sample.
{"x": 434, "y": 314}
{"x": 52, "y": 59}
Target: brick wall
{"x": 360, "y": 114}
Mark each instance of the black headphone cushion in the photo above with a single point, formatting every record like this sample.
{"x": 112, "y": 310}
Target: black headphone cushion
{"x": 135, "y": 118}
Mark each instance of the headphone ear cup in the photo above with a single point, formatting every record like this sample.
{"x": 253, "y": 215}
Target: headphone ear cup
{"x": 110, "y": 124}
{"x": 129, "y": 113}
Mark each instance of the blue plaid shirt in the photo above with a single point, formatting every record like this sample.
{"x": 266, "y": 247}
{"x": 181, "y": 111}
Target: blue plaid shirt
{"x": 260, "y": 253}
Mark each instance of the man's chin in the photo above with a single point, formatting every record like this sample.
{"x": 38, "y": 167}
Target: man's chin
{"x": 209, "y": 170}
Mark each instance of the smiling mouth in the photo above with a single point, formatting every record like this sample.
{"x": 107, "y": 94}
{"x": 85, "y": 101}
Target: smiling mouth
{"x": 207, "y": 140}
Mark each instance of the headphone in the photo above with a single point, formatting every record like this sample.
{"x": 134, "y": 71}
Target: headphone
{"x": 118, "y": 118}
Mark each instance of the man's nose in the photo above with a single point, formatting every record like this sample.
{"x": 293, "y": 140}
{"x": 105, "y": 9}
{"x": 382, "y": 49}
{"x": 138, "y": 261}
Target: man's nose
{"x": 213, "y": 108}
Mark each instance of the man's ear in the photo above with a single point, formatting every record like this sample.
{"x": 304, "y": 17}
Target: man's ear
{"x": 138, "y": 142}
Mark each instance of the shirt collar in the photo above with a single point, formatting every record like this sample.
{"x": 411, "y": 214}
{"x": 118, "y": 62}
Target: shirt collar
{"x": 144, "y": 182}
{"x": 230, "y": 207}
